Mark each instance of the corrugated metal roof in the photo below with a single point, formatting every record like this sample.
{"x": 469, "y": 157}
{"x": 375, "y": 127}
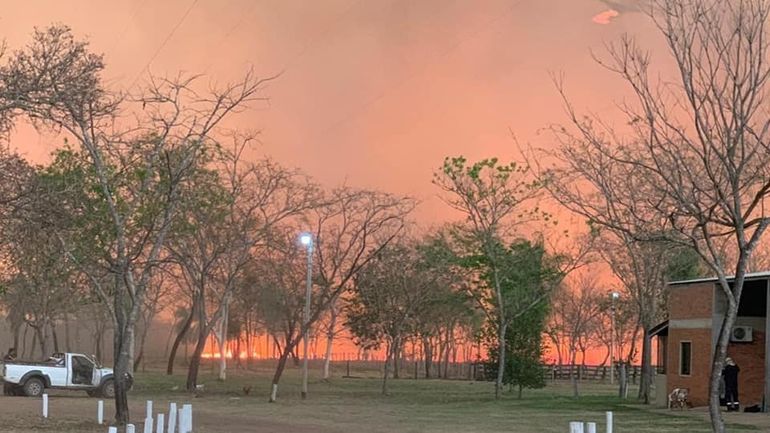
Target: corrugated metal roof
{"x": 749, "y": 276}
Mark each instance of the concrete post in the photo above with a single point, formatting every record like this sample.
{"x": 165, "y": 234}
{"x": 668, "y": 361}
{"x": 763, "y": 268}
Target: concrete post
{"x": 161, "y": 424}
{"x": 45, "y": 405}
{"x": 172, "y": 416}
{"x": 100, "y": 412}
{"x": 609, "y": 422}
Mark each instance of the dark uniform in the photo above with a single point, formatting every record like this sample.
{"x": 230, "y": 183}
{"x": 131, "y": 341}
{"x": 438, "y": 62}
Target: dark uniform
{"x": 730, "y": 374}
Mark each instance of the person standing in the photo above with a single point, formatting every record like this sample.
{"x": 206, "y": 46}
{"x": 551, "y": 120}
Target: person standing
{"x": 730, "y": 375}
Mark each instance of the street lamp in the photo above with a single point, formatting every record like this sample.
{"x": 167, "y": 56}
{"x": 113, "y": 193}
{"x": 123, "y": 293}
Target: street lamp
{"x": 306, "y": 239}
{"x": 613, "y": 296}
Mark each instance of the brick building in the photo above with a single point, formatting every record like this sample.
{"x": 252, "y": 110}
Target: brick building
{"x": 686, "y": 342}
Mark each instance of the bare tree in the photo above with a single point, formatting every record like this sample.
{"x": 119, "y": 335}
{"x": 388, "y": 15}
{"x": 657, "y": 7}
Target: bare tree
{"x": 349, "y": 229}
{"x": 231, "y": 218}
{"x": 694, "y": 162}
{"x": 577, "y": 310}
{"x": 390, "y": 292}
{"x": 139, "y": 170}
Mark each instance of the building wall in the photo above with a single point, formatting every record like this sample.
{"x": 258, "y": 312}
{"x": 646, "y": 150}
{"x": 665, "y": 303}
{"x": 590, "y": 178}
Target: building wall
{"x": 698, "y": 381}
{"x": 694, "y": 301}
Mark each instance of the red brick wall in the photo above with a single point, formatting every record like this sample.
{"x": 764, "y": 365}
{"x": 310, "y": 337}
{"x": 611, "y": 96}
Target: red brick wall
{"x": 750, "y": 357}
{"x": 698, "y": 381}
{"x": 694, "y": 301}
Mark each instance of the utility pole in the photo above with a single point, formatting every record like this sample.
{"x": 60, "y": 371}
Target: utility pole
{"x": 306, "y": 240}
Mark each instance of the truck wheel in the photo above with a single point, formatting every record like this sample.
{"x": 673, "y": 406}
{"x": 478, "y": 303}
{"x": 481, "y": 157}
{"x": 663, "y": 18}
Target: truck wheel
{"x": 34, "y": 387}
{"x": 108, "y": 388}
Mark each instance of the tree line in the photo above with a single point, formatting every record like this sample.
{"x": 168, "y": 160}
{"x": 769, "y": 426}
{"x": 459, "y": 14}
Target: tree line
{"x": 150, "y": 197}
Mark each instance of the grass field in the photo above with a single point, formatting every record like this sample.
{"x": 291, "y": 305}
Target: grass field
{"x": 355, "y": 405}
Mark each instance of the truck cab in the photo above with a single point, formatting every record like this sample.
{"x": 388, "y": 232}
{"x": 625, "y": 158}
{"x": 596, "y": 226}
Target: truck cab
{"x": 71, "y": 371}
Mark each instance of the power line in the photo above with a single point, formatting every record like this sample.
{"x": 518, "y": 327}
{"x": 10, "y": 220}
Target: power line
{"x": 120, "y": 34}
{"x": 163, "y": 44}
{"x": 229, "y": 33}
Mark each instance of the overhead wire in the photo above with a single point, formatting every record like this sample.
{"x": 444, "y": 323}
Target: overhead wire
{"x": 163, "y": 44}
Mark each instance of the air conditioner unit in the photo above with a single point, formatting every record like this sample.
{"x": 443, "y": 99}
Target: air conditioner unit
{"x": 741, "y": 334}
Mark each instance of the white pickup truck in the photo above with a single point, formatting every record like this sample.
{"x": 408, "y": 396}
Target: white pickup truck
{"x": 71, "y": 371}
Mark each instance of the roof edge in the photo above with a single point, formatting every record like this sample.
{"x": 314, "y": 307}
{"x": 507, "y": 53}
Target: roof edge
{"x": 749, "y": 276}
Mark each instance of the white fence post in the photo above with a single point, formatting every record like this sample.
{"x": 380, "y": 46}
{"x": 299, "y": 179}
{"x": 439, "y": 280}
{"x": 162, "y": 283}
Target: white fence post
{"x": 161, "y": 424}
{"x": 112, "y": 430}
{"x": 148, "y": 425}
{"x": 576, "y": 427}
{"x": 100, "y": 412}
{"x": 130, "y": 428}
{"x": 609, "y": 422}
{"x": 149, "y": 409}
{"x": 45, "y": 405}
{"x": 590, "y": 427}
{"x": 186, "y": 419}
{"x": 172, "y": 416}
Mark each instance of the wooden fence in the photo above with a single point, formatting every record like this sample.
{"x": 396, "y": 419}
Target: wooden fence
{"x": 589, "y": 372}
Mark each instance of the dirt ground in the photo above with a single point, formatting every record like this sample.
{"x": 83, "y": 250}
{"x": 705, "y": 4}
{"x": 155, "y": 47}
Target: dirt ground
{"x": 353, "y": 405}
{"x": 72, "y": 412}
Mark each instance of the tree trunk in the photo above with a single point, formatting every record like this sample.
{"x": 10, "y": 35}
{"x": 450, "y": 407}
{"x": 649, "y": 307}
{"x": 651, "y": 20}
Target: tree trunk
{"x": 623, "y": 376}
{"x": 122, "y": 370}
{"x": 67, "y": 336}
{"x": 24, "y": 342}
{"x": 500, "y": 359}
{"x": 646, "y": 381}
{"x": 179, "y": 338}
{"x": 98, "y": 344}
{"x": 124, "y": 321}
{"x": 279, "y": 371}
{"x": 223, "y": 342}
{"x": 717, "y": 364}
{"x": 396, "y": 357}
{"x": 386, "y": 370}
{"x": 428, "y": 350}
{"x": 55, "y": 337}
{"x": 195, "y": 361}
{"x": 573, "y": 374}
{"x": 43, "y": 339}
{"x": 16, "y": 335}
{"x": 330, "y": 341}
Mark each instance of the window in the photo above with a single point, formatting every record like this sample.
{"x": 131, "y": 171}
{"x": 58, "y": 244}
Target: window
{"x": 685, "y": 358}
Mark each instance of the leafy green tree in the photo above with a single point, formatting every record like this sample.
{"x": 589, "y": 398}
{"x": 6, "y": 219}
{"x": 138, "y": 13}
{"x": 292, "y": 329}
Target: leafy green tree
{"x": 491, "y": 197}
{"x": 137, "y": 154}
{"x": 401, "y": 283}
{"x": 527, "y": 277}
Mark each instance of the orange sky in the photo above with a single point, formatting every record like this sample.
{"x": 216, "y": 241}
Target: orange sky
{"x": 374, "y": 93}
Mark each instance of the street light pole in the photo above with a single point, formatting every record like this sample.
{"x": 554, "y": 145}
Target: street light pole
{"x": 307, "y": 241}
{"x": 613, "y": 297}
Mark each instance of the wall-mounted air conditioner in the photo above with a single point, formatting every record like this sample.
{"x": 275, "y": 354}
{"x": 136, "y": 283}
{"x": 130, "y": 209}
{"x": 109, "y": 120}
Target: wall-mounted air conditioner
{"x": 741, "y": 334}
